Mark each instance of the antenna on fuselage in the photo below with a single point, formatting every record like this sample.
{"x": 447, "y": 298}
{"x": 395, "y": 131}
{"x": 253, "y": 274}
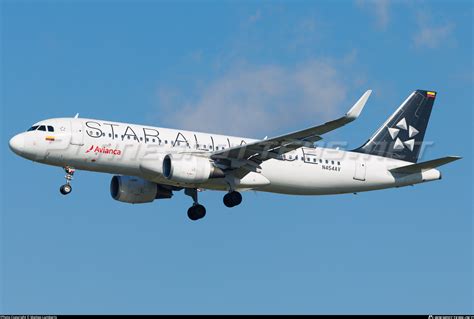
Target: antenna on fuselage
{"x": 76, "y": 116}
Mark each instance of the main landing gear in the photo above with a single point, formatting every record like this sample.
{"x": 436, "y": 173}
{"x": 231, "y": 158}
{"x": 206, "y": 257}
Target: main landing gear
{"x": 67, "y": 188}
{"x": 197, "y": 211}
{"x": 232, "y": 199}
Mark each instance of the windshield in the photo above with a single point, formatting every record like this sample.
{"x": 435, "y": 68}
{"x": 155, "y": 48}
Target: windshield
{"x": 33, "y": 128}
{"x": 45, "y": 128}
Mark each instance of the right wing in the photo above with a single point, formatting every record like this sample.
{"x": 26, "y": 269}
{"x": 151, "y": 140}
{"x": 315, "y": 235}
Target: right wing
{"x": 255, "y": 153}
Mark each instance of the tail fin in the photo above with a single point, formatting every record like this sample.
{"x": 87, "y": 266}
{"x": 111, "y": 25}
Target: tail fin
{"x": 401, "y": 136}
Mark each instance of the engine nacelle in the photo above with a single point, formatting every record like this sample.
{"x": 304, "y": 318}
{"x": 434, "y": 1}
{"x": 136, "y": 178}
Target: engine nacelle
{"x": 135, "y": 190}
{"x": 189, "y": 169}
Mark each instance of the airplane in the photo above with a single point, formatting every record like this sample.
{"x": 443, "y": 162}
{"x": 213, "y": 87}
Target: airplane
{"x": 151, "y": 163}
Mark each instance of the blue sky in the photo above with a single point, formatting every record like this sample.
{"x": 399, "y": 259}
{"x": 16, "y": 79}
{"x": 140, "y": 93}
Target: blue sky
{"x": 251, "y": 69}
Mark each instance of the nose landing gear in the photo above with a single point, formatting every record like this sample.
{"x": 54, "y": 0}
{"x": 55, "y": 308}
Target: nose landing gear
{"x": 67, "y": 188}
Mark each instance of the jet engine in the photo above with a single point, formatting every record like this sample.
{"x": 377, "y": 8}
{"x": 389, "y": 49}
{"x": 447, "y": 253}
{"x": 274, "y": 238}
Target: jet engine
{"x": 135, "y": 190}
{"x": 189, "y": 168}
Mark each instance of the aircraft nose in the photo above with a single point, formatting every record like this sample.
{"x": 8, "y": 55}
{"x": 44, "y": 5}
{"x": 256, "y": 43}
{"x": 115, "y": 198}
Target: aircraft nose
{"x": 17, "y": 144}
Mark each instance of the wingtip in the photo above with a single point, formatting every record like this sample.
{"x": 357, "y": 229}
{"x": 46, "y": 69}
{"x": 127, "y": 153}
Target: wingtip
{"x": 357, "y": 108}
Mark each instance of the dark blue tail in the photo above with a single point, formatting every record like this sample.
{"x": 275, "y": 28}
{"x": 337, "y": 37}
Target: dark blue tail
{"x": 401, "y": 136}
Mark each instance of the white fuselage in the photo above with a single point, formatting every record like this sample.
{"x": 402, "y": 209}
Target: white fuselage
{"x": 137, "y": 150}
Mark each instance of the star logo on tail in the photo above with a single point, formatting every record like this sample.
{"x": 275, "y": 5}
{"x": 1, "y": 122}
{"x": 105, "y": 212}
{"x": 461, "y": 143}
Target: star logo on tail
{"x": 394, "y": 131}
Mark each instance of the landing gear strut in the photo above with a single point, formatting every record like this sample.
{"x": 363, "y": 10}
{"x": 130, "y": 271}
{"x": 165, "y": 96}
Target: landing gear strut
{"x": 232, "y": 199}
{"x": 197, "y": 211}
{"x": 67, "y": 188}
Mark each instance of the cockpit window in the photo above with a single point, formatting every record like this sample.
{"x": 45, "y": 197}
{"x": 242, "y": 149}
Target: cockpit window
{"x": 33, "y": 128}
{"x": 50, "y": 128}
{"x": 42, "y": 128}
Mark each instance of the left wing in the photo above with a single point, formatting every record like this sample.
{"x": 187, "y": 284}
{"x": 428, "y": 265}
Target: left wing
{"x": 255, "y": 153}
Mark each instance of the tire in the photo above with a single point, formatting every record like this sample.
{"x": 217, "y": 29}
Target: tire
{"x": 200, "y": 211}
{"x": 232, "y": 199}
{"x": 192, "y": 213}
{"x": 196, "y": 212}
{"x": 236, "y": 198}
{"x": 65, "y": 189}
{"x": 228, "y": 200}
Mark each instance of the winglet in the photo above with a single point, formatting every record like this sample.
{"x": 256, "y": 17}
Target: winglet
{"x": 76, "y": 116}
{"x": 356, "y": 109}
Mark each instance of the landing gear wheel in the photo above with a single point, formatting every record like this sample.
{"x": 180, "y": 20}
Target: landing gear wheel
{"x": 196, "y": 212}
{"x": 232, "y": 199}
{"x": 65, "y": 189}
{"x": 228, "y": 200}
{"x": 236, "y": 197}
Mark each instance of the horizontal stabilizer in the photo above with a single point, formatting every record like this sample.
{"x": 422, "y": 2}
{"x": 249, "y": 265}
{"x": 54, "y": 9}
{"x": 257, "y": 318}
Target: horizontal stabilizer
{"x": 424, "y": 166}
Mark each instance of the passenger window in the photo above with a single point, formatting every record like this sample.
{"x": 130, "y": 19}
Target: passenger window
{"x": 332, "y": 162}
{"x": 166, "y": 141}
{"x": 116, "y": 135}
{"x": 327, "y": 162}
{"x": 110, "y": 135}
{"x": 42, "y": 128}
{"x": 50, "y": 128}
{"x": 314, "y": 160}
{"x": 338, "y": 163}
{"x": 141, "y": 139}
{"x": 296, "y": 157}
{"x": 320, "y": 161}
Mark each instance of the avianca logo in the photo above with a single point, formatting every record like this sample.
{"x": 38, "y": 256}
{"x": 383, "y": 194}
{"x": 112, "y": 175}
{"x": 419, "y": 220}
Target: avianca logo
{"x": 104, "y": 150}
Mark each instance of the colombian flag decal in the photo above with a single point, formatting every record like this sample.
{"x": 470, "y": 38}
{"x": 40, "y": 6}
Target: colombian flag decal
{"x": 49, "y": 138}
{"x": 431, "y": 94}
